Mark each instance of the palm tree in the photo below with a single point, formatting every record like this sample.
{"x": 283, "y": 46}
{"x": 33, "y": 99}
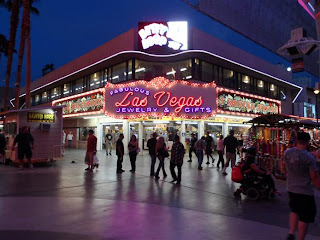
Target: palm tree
{"x": 4, "y": 44}
{"x": 13, "y": 6}
{"x": 25, "y": 39}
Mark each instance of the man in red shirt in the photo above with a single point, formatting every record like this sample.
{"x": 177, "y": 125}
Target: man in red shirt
{"x": 91, "y": 151}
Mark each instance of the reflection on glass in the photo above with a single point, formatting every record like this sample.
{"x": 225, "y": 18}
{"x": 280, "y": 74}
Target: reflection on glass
{"x": 207, "y": 72}
{"x": 119, "y": 73}
{"x": 172, "y": 71}
{"x": 79, "y": 86}
{"x": 228, "y": 78}
{"x": 67, "y": 89}
{"x": 95, "y": 80}
{"x": 246, "y": 83}
{"x": 44, "y": 96}
{"x": 37, "y": 98}
{"x": 55, "y": 93}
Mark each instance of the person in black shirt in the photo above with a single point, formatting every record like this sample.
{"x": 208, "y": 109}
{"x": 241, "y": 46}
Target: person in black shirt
{"x": 120, "y": 153}
{"x": 192, "y": 148}
{"x": 250, "y": 168}
{"x": 151, "y": 144}
{"x": 2, "y": 146}
{"x": 108, "y": 141}
{"x": 209, "y": 145}
{"x": 231, "y": 144}
{"x": 25, "y": 145}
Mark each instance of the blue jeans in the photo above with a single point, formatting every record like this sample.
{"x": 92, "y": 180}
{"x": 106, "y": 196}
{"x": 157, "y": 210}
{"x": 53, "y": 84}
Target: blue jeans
{"x": 200, "y": 157}
{"x": 153, "y": 163}
{"x": 161, "y": 166}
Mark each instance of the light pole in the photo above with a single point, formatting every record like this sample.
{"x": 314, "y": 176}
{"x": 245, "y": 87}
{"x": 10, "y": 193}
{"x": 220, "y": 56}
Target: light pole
{"x": 316, "y": 92}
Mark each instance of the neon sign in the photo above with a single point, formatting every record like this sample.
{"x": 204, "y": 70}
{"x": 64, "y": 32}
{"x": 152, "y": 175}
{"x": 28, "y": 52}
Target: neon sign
{"x": 172, "y": 36}
{"x": 245, "y": 104}
{"x": 87, "y": 103}
{"x": 160, "y": 97}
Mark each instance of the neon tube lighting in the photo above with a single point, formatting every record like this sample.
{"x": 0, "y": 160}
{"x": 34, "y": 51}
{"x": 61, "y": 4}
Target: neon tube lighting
{"x": 170, "y": 73}
{"x": 183, "y": 69}
{"x": 172, "y": 55}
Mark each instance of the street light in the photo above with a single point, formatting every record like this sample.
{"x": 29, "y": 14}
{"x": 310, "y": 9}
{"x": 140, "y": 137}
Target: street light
{"x": 316, "y": 92}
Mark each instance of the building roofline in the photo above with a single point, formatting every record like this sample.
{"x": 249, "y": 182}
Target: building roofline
{"x": 171, "y": 55}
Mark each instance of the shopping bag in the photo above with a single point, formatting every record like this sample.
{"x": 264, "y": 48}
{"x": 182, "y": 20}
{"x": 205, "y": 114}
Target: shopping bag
{"x": 138, "y": 150}
{"x": 95, "y": 159}
{"x": 236, "y": 174}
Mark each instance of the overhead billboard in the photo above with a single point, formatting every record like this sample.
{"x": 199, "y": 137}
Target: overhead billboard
{"x": 163, "y": 36}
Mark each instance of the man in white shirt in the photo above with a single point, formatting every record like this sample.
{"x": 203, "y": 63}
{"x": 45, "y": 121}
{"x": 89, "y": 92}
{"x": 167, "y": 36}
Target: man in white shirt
{"x": 70, "y": 138}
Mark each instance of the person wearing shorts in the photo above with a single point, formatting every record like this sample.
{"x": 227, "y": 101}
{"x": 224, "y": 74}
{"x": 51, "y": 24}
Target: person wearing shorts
{"x": 302, "y": 173}
{"x": 25, "y": 145}
{"x": 231, "y": 144}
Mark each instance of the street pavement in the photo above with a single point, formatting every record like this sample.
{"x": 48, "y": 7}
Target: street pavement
{"x": 62, "y": 201}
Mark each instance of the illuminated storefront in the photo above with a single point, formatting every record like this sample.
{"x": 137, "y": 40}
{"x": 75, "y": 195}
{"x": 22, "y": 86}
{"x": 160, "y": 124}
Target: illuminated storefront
{"x": 157, "y": 84}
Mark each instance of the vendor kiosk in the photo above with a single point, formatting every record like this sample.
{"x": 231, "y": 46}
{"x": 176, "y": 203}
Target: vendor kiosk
{"x": 45, "y": 125}
{"x": 272, "y": 134}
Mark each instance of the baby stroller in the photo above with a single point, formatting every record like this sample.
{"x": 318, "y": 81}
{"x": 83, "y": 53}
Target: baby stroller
{"x": 253, "y": 185}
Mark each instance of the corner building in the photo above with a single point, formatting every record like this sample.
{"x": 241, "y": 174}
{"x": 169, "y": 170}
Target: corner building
{"x": 130, "y": 87}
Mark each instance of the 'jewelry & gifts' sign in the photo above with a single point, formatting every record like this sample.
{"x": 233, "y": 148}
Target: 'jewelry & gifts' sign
{"x": 160, "y": 97}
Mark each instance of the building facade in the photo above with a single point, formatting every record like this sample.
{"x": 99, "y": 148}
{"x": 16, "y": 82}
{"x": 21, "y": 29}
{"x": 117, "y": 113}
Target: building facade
{"x": 150, "y": 80}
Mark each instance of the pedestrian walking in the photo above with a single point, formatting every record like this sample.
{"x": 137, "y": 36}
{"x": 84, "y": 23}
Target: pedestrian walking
{"x": 25, "y": 145}
{"x": 200, "y": 147}
{"x": 70, "y": 139}
{"x": 177, "y": 154}
{"x": 151, "y": 144}
{"x": 302, "y": 173}
{"x": 63, "y": 141}
{"x": 2, "y": 148}
{"x": 192, "y": 148}
{"x": 209, "y": 146}
{"x": 220, "y": 149}
{"x": 133, "y": 151}
{"x": 108, "y": 141}
{"x": 120, "y": 153}
{"x": 231, "y": 144}
{"x": 161, "y": 152}
{"x": 91, "y": 151}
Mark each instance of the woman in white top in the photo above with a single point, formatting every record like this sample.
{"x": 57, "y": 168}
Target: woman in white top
{"x": 220, "y": 149}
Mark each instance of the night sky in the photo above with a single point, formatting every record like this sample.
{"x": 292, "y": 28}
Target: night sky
{"x": 65, "y": 30}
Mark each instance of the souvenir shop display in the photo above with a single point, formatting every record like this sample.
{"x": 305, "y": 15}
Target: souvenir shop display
{"x": 272, "y": 135}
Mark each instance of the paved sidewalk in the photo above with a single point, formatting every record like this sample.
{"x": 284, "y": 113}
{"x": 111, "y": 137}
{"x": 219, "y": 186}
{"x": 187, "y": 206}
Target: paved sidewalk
{"x": 63, "y": 201}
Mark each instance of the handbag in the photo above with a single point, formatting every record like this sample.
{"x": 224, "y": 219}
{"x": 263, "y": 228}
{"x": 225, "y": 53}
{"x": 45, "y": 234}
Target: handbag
{"x": 236, "y": 174}
{"x": 138, "y": 150}
{"x": 95, "y": 159}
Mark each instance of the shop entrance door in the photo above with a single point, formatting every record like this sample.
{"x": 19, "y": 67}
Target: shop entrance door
{"x": 114, "y": 129}
{"x": 166, "y": 129}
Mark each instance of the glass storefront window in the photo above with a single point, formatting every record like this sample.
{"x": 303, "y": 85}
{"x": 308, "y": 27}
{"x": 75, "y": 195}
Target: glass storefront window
{"x": 129, "y": 69}
{"x": 37, "y": 99}
{"x": 95, "y": 80}
{"x": 172, "y": 71}
{"x": 44, "y": 97}
{"x": 119, "y": 73}
{"x": 260, "y": 86}
{"x": 246, "y": 83}
{"x": 273, "y": 91}
{"x": 207, "y": 72}
{"x": 67, "y": 91}
{"x": 239, "y": 129}
{"x": 78, "y": 87}
{"x": 228, "y": 78}
{"x": 114, "y": 130}
{"x": 84, "y": 132}
{"x": 55, "y": 93}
